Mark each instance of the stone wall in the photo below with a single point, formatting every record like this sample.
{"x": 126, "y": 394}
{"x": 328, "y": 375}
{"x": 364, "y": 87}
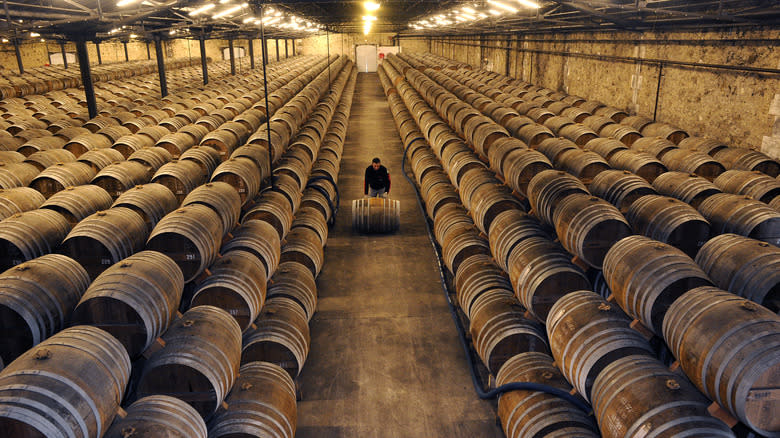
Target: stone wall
{"x": 729, "y": 105}
{"x": 343, "y": 43}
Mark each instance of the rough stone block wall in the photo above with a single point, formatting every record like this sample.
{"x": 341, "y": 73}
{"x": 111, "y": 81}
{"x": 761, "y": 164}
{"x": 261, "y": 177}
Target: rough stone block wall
{"x": 728, "y": 105}
{"x": 343, "y": 43}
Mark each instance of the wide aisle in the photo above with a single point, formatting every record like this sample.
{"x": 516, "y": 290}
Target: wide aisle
{"x": 385, "y": 359}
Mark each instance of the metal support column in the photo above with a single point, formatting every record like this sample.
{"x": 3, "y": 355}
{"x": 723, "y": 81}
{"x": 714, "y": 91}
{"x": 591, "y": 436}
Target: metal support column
{"x": 294, "y": 52}
{"x": 86, "y": 77}
{"x": 232, "y": 57}
{"x": 148, "y": 51}
{"x": 18, "y": 56}
{"x": 277, "y": 48}
{"x": 286, "y": 51}
{"x": 127, "y": 57}
{"x": 160, "y": 66}
{"x": 64, "y": 55}
{"x": 508, "y": 54}
{"x": 203, "y": 64}
{"x": 97, "y": 49}
{"x": 265, "y": 93}
{"x": 327, "y": 38}
{"x": 251, "y": 53}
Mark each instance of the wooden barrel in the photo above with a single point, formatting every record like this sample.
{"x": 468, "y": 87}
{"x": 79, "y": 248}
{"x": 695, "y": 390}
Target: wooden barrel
{"x": 664, "y": 130}
{"x": 500, "y": 330}
{"x": 556, "y": 123}
{"x": 25, "y": 236}
{"x": 687, "y": 187}
{"x": 613, "y": 113}
{"x": 242, "y": 174}
{"x": 180, "y": 177}
{"x": 509, "y": 228}
{"x": 10, "y": 157}
{"x": 520, "y": 166}
{"x": 76, "y": 203}
{"x": 151, "y": 201}
{"x": 646, "y": 276}
{"x": 61, "y": 175}
{"x": 729, "y": 346}
{"x": 478, "y": 275}
{"x": 578, "y": 133}
{"x": 742, "y": 215}
{"x": 122, "y": 176}
{"x": 104, "y": 238}
{"x": 220, "y": 197}
{"x": 237, "y": 284}
{"x": 130, "y": 144}
{"x": 437, "y": 192}
{"x": 605, "y": 147}
{"x": 746, "y": 159}
{"x": 552, "y": 148}
{"x": 259, "y": 238}
{"x": 534, "y": 413}
{"x": 620, "y": 188}
{"x": 755, "y": 184}
{"x": 176, "y": 143}
{"x": 85, "y": 143}
{"x": 40, "y": 144}
{"x": 262, "y": 403}
{"x": 461, "y": 241}
{"x": 281, "y": 336}
{"x": 744, "y": 266}
{"x": 658, "y": 397}
{"x": 191, "y": 236}
{"x": 159, "y": 415}
{"x": 304, "y": 246}
{"x": 702, "y": 144}
{"x": 533, "y": 134}
{"x": 542, "y": 272}
{"x": 654, "y": 146}
{"x": 294, "y": 281}
{"x": 489, "y": 200}
{"x": 273, "y": 208}
{"x": 135, "y": 300}
{"x": 207, "y": 158}
{"x": 199, "y": 362}
{"x": 44, "y": 159}
{"x": 153, "y": 157}
{"x": 500, "y": 149}
{"x": 686, "y": 160}
{"x": 586, "y": 334}
{"x": 639, "y": 163}
{"x": 588, "y": 227}
{"x": 376, "y": 215}
{"x": 314, "y": 220}
{"x": 597, "y": 123}
{"x": 670, "y": 221}
{"x": 18, "y": 200}
{"x": 98, "y": 159}
{"x": 621, "y": 133}
{"x": 67, "y": 386}
{"x": 36, "y": 299}
{"x": 582, "y": 164}
{"x": 548, "y": 188}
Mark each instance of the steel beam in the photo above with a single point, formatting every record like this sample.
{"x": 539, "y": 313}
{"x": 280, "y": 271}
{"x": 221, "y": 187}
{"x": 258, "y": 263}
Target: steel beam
{"x": 161, "y": 66}
{"x": 251, "y": 53}
{"x": 232, "y": 57}
{"x": 86, "y": 77}
{"x": 203, "y": 63}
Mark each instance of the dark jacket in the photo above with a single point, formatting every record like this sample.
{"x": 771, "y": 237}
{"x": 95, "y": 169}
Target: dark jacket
{"x": 376, "y": 179}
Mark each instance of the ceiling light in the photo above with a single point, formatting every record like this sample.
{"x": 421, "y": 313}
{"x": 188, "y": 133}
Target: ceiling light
{"x": 503, "y": 6}
{"x": 248, "y": 19}
{"x": 371, "y": 6}
{"x": 121, "y": 3}
{"x": 529, "y": 3}
{"x": 494, "y": 12}
{"x": 366, "y": 27}
{"x": 132, "y": 35}
{"x": 203, "y": 9}
{"x": 468, "y": 16}
{"x": 227, "y": 12}
{"x": 369, "y": 18}
{"x": 469, "y": 10}
{"x": 5, "y": 40}
{"x": 222, "y": 2}
{"x": 34, "y": 34}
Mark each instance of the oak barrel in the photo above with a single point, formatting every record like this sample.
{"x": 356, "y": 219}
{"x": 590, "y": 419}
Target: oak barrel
{"x": 158, "y": 416}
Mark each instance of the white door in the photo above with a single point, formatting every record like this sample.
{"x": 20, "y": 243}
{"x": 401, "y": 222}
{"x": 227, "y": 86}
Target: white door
{"x": 366, "y": 58}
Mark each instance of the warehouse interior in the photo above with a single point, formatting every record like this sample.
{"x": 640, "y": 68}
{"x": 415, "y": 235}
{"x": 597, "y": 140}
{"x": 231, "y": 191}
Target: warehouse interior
{"x": 579, "y": 237}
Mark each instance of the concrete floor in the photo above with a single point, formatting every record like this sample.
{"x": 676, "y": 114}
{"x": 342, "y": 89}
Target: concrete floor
{"x": 385, "y": 359}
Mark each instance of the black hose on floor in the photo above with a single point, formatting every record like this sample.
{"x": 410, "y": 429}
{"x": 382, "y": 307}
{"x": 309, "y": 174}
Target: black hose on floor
{"x": 478, "y": 388}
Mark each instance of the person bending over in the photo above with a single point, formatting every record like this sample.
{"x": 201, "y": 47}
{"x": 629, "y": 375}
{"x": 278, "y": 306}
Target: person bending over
{"x": 377, "y": 181}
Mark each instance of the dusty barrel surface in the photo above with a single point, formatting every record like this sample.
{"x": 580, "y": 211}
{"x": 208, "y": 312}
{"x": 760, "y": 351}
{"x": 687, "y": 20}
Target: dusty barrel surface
{"x": 586, "y": 334}
{"x": 294, "y": 281}
{"x": 18, "y": 200}
{"x": 620, "y": 188}
{"x": 662, "y": 398}
{"x": 36, "y": 300}
{"x": 500, "y": 330}
{"x": 687, "y": 187}
{"x": 76, "y": 203}
{"x": 152, "y": 201}
{"x": 105, "y": 238}
{"x": 305, "y": 247}
{"x": 237, "y": 284}
{"x": 755, "y": 184}
{"x": 746, "y": 159}
{"x": 242, "y": 174}
{"x": 548, "y": 188}
{"x": 376, "y": 215}
{"x": 221, "y": 198}
{"x": 180, "y": 177}
{"x": 743, "y": 266}
{"x": 508, "y": 229}
{"x": 61, "y": 175}
{"x": 526, "y": 413}
{"x": 742, "y": 215}
{"x": 262, "y": 403}
{"x": 191, "y": 236}
{"x": 643, "y": 164}
{"x": 159, "y": 415}
{"x": 647, "y": 276}
{"x": 259, "y": 238}
{"x": 671, "y": 221}
{"x": 67, "y": 386}
{"x": 281, "y": 336}
{"x": 729, "y": 347}
{"x": 588, "y": 227}
{"x": 135, "y": 300}
{"x": 119, "y": 177}
{"x": 273, "y": 208}
{"x": 199, "y": 362}
{"x": 479, "y": 275}
{"x": 28, "y": 235}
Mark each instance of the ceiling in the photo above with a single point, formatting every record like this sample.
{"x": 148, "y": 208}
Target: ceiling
{"x": 145, "y": 19}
